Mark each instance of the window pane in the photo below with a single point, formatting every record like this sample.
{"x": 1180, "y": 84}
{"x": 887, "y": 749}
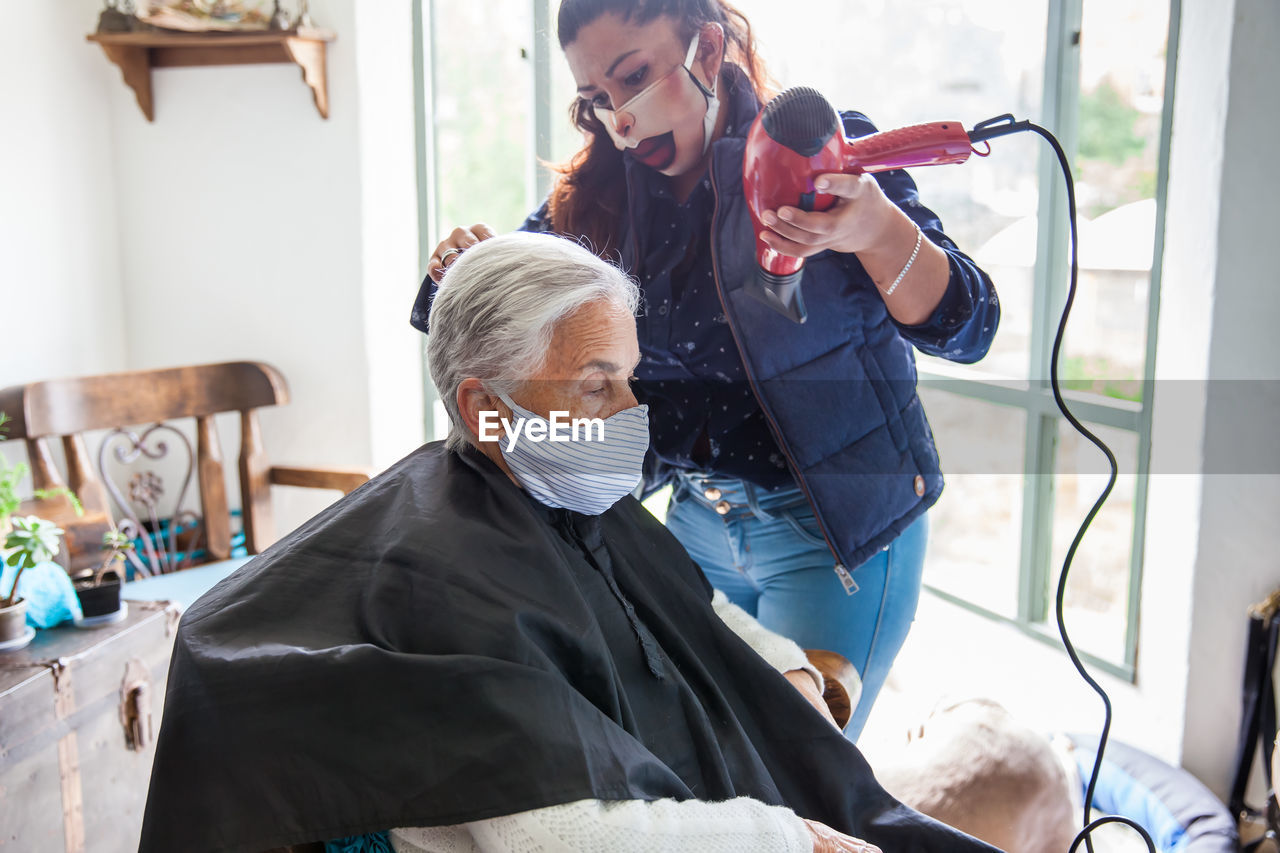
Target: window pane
{"x": 483, "y": 112}
{"x": 1097, "y": 595}
{"x": 976, "y": 526}
{"x": 565, "y": 138}
{"x": 1122, "y": 61}
{"x": 966, "y": 60}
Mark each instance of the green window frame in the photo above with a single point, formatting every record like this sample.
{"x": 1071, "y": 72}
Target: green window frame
{"x": 1038, "y": 574}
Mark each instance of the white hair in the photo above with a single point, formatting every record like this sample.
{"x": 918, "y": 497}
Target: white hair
{"x": 497, "y": 308}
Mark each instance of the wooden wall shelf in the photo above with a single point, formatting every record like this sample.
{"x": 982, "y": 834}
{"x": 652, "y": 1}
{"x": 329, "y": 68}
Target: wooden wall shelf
{"x": 136, "y": 53}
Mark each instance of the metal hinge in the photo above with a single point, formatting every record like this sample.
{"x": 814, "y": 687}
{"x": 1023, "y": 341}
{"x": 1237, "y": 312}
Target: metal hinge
{"x": 135, "y": 705}
{"x": 64, "y": 696}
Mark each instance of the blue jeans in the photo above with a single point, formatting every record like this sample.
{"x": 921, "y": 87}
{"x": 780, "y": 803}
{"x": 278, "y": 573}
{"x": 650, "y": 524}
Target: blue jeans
{"x": 765, "y": 551}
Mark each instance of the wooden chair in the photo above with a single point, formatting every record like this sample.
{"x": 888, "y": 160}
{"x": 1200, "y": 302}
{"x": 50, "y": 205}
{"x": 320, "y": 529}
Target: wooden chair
{"x": 842, "y": 686}
{"x": 123, "y": 403}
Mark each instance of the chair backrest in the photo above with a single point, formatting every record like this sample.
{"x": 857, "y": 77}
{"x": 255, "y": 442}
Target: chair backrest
{"x": 136, "y": 407}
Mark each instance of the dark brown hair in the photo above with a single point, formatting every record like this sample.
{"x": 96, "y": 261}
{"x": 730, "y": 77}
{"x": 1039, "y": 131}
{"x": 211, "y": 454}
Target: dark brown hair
{"x": 590, "y": 194}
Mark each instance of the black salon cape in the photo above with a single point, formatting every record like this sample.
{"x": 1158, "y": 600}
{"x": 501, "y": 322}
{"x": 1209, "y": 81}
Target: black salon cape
{"x": 437, "y": 648}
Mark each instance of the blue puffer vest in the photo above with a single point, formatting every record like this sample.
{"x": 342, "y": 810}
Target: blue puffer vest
{"x": 839, "y": 391}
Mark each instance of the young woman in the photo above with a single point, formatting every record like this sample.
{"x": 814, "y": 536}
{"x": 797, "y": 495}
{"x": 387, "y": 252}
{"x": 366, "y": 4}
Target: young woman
{"x": 800, "y": 456}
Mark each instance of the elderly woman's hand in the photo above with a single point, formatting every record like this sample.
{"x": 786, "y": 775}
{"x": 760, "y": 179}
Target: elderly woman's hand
{"x": 803, "y": 682}
{"x": 458, "y": 241}
{"x": 827, "y": 840}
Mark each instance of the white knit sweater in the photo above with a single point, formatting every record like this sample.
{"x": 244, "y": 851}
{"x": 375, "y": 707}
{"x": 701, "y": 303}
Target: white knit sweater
{"x": 740, "y": 825}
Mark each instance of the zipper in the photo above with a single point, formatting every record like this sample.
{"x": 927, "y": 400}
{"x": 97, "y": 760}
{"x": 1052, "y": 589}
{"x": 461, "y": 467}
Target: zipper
{"x": 846, "y": 579}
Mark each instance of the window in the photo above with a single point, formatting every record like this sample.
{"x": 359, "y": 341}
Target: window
{"x": 482, "y": 109}
{"x": 1019, "y": 479}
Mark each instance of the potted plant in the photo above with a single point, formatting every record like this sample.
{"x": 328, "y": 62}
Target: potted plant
{"x": 31, "y": 540}
{"x": 13, "y": 622}
{"x": 27, "y": 541}
{"x": 100, "y": 594}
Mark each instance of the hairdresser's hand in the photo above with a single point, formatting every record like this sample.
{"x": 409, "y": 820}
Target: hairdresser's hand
{"x": 862, "y": 218}
{"x": 803, "y": 682}
{"x": 460, "y": 239}
{"x": 863, "y": 221}
{"x": 827, "y": 840}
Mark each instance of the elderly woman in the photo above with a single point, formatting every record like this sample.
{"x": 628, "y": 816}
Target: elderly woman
{"x": 494, "y": 647}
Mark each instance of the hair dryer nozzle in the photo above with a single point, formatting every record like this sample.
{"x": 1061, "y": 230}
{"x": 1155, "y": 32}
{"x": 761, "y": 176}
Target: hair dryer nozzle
{"x": 800, "y": 119}
{"x": 782, "y": 293}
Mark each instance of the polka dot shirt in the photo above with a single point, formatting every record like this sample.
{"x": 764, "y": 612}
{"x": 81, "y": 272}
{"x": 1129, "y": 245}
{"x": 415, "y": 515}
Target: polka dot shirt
{"x": 703, "y": 414}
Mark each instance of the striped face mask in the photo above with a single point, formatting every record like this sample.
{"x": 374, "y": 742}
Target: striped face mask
{"x": 581, "y": 465}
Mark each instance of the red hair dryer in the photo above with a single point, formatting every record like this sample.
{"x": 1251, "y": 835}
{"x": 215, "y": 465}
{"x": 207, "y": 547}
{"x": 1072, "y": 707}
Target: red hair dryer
{"x": 797, "y": 137}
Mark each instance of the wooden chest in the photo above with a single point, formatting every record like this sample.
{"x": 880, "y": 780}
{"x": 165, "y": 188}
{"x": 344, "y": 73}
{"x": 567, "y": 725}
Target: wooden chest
{"x": 79, "y": 710}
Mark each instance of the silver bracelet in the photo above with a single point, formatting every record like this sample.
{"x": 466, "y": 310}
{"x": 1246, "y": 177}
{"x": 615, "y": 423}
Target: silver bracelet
{"x": 911, "y": 260}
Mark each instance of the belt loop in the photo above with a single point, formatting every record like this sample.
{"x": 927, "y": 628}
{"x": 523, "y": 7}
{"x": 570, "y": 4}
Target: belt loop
{"x": 754, "y": 504}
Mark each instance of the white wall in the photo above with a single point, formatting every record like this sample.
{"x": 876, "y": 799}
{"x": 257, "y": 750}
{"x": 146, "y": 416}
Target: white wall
{"x": 1182, "y": 361}
{"x": 61, "y": 308}
{"x": 238, "y": 225}
{"x": 1235, "y": 559}
{"x": 389, "y": 230}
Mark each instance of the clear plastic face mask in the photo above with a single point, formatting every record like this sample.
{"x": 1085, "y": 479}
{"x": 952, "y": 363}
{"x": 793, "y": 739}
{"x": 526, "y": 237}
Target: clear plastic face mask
{"x": 645, "y": 113}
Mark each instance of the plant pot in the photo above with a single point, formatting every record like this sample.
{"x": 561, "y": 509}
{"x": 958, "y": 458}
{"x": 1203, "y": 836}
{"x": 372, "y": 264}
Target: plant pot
{"x": 99, "y": 600}
{"x": 13, "y": 622}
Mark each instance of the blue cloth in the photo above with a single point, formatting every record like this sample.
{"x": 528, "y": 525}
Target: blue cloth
{"x": 774, "y": 564}
{"x": 161, "y": 540}
{"x": 51, "y": 597}
{"x": 378, "y": 842}
{"x": 183, "y": 587}
{"x": 1175, "y": 808}
{"x": 1120, "y": 793}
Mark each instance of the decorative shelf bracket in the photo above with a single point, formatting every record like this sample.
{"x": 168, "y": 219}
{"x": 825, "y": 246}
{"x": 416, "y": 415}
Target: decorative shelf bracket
{"x": 136, "y": 53}
{"x": 309, "y": 55}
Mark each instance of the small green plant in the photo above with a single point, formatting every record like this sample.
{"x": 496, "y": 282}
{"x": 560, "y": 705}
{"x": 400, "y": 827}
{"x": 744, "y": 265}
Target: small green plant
{"x": 117, "y": 545}
{"x": 32, "y": 540}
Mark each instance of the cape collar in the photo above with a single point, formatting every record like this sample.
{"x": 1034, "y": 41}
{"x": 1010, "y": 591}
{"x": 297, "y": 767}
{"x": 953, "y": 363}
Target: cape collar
{"x": 586, "y": 526}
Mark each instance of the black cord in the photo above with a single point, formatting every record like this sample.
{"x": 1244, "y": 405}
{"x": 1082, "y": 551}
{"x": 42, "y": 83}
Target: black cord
{"x": 1090, "y": 827}
{"x": 983, "y": 131}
